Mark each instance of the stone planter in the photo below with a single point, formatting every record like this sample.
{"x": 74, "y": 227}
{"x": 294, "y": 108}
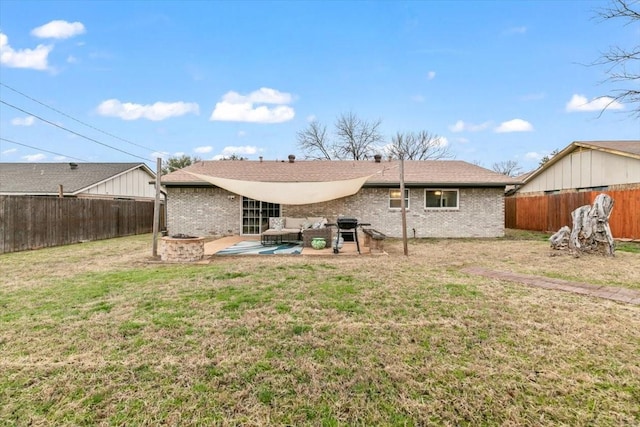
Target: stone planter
{"x": 182, "y": 249}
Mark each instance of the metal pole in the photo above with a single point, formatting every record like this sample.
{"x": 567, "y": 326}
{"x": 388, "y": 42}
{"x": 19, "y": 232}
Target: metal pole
{"x": 156, "y": 208}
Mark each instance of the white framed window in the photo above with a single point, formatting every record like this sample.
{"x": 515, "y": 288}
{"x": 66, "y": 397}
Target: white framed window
{"x": 395, "y": 200}
{"x": 438, "y": 198}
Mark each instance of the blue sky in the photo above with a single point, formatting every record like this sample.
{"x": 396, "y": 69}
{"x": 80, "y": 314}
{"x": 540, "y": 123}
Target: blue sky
{"x": 497, "y": 81}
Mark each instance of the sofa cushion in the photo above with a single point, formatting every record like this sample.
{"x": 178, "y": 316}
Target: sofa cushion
{"x": 296, "y": 223}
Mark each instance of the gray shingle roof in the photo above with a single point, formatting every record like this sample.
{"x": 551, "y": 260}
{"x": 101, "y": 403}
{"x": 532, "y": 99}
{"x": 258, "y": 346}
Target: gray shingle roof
{"x": 44, "y": 178}
{"x": 431, "y": 172}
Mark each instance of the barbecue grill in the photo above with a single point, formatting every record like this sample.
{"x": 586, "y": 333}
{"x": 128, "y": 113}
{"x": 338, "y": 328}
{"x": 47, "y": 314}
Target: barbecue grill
{"x": 347, "y": 225}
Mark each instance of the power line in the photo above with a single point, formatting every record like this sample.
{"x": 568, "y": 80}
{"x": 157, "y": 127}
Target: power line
{"x": 41, "y": 149}
{"x": 71, "y": 131}
{"x": 73, "y": 118}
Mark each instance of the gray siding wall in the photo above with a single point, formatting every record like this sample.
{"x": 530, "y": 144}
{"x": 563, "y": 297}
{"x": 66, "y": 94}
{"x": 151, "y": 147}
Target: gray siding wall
{"x": 585, "y": 169}
{"x": 134, "y": 183}
{"x": 211, "y": 211}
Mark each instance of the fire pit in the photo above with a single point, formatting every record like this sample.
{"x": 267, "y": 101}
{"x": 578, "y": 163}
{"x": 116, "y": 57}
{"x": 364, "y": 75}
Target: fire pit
{"x": 182, "y": 248}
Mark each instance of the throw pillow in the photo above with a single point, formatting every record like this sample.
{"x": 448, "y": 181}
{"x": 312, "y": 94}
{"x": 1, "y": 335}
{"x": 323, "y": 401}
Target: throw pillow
{"x": 277, "y": 223}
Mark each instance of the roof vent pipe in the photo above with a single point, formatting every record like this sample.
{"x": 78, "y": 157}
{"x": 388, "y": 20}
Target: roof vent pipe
{"x": 377, "y": 158}
{"x": 292, "y": 158}
{"x": 260, "y": 159}
{"x": 73, "y": 166}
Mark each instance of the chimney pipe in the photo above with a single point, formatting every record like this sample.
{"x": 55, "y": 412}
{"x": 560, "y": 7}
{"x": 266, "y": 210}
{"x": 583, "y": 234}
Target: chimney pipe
{"x": 73, "y": 166}
{"x": 260, "y": 159}
{"x": 292, "y": 158}
{"x": 377, "y": 158}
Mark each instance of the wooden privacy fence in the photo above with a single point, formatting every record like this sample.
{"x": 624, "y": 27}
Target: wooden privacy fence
{"x": 551, "y": 212}
{"x": 31, "y": 222}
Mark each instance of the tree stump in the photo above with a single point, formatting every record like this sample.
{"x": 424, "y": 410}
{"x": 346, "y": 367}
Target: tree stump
{"x": 591, "y": 232}
{"x": 560, "y": 240}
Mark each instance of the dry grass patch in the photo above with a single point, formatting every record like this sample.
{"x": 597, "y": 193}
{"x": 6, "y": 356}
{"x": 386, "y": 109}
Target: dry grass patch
{"x": 387, "y": 340}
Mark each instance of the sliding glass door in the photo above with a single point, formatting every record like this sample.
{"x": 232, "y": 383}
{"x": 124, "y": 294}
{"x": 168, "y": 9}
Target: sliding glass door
{"x": 255, "y": 215}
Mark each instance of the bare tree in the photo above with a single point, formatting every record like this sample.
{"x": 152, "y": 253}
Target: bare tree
{"x": 314, "y": 143}
{"x": 353, "y": 139}
{"x": 507, "y": 167}
{"x": 623, "y": 64}
{"x": 356, "y": 138}
{"x": 421, "y": 145}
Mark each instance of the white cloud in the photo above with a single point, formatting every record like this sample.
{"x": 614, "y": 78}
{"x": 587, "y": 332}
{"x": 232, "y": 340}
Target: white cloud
{"x": 9, "y": 151}
{"x": 246, "y": 149}
{"x": 417, "y": 98}
{"x": 441, "y": 141}
{"x": 515, "y": 30}
{"x": 162, "y": 154}
{"x": 461, "y": 126}
{"x": 431, "y": 75}
{"x": 246, "y": 112}
{"x": 203, "y": 149}
{"x": 35, "y": 59}
{"x": 264, "y": 95}
{"x": 72, "y": 59}
{"x": 59, "y": 158}
{"x": 311, "y": 118}
{"x": 23, "y": 121}
{"x": 532, "y": 155}
{"x": 242, "y": 134}
{"x": 581, "y": 103}
{"x": 235, "y": 107}
{"x": 59, "y": 30}
{"x": 515, "y": 125}
{"x": 156, "y": 112}
{"x": 34, "y": 157}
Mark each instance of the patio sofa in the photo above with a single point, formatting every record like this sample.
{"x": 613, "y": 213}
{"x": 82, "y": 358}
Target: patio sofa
{"x": 286, "y": 229}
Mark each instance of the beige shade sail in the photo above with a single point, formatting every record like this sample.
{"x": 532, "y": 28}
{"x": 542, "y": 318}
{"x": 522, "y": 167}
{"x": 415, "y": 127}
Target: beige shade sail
{"x": 288, "y": 193}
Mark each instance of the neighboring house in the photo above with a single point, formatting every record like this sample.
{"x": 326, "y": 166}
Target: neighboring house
{"x": 97, "y": 180}
{"x": 574, "y": 177}
{"x": 443, "y": 198}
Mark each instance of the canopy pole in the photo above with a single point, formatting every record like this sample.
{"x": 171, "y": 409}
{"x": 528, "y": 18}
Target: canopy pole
{"x": 156, "y": 209}
{"x": 403, "y": 208}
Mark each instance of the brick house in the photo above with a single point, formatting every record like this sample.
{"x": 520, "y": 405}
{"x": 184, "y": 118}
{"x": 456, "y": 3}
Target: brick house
{"x": 236, "y": 197}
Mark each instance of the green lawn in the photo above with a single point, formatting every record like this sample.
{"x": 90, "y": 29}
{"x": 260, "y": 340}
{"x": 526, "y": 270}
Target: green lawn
{"x": 94, "y": 334}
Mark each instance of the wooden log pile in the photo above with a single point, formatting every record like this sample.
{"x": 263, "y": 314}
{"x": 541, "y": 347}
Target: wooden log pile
{"x": 591, "y": 232}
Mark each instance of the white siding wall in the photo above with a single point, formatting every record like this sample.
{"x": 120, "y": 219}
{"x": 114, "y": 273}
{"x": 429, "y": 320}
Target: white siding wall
{"x": 134, "y": 183}
{"x": 585, "y": 169}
